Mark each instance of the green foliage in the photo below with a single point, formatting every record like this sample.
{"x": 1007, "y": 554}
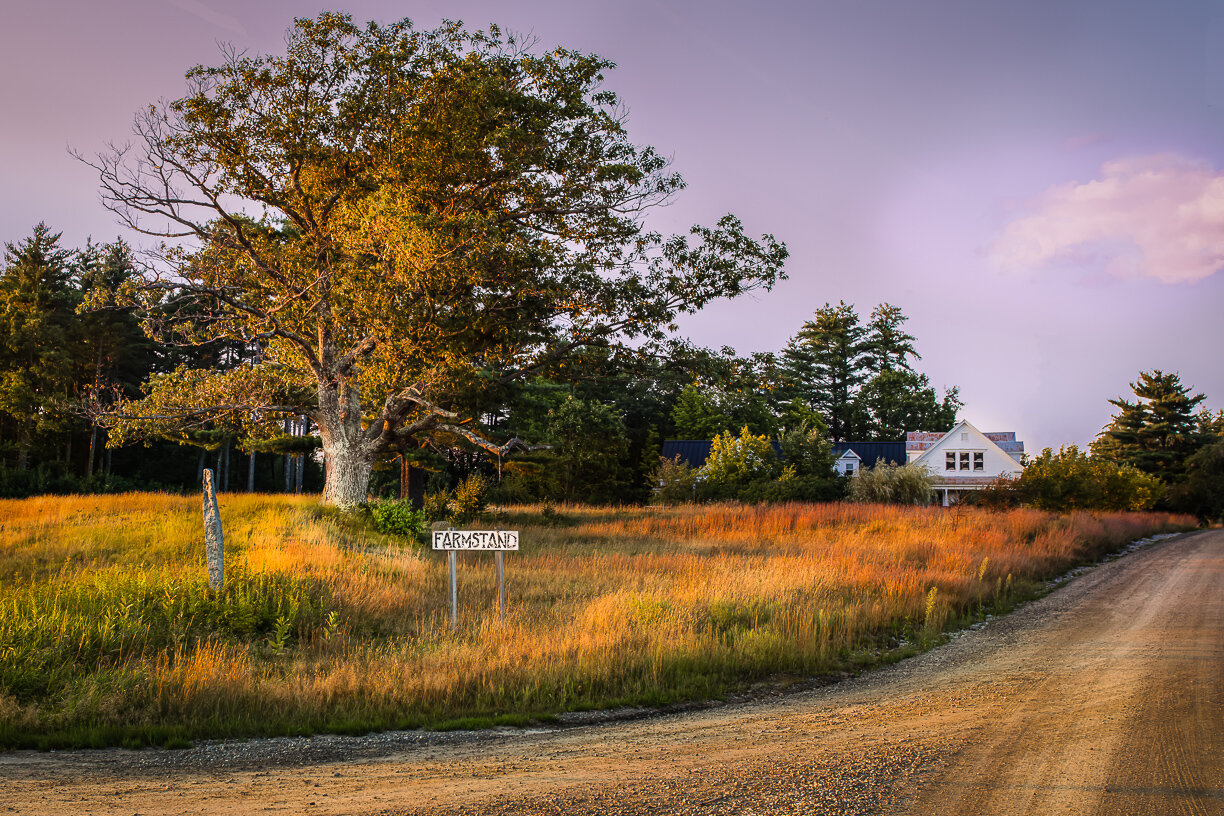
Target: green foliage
{"x": 37, "y": 304}
{"x": 675, "y": 481}
{"x": 437, "y": 506}
{"x": 493, "y": 181}
{"x": 892, "y": 484}
{"x": 808, "y": 452}
{"x": 899, "y": 400}
{"x": 886, "y": 345}
{"x": 1072, "y": 480}
{"x": 790, "y": 488}
{"x": 703, "y": 412}
{"x": 54, "y": 634}
{"x": 737, "y": 460}
{"x": 824, "y": 361}
{"x": 590, "y": 449}
{"x": 859, "y": 378}
{"x": 397, "y": 517}
{"x": 1157, "y": 432}
{"x": 470, "y": 498}
{"x": 1202, "y": 491}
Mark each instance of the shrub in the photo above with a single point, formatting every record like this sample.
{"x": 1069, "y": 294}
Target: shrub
{"x": 1073, "y": 480}
{"x": 738, "y": 460}
{"x": 1202, "y": 493}
{"x": 437, "y": 505}
{"x": 795, "y": 488}
{"x": 469, "y": 501}
{"x": 892, "y": 484}
{"x": 675, "y": 481}
{"x": 395, "y": 517}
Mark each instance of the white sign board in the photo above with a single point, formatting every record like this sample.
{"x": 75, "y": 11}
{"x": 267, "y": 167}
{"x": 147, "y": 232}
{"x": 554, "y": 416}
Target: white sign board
{"x": 475, "y": 540}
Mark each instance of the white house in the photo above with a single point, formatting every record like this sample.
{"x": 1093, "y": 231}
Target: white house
{"x": 848, "y": 463}
{"x": 964, "y": 458}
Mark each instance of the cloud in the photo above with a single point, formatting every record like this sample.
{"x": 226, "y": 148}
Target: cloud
{"x": 1156, "y": 216}
{"x": 209, "y": 15}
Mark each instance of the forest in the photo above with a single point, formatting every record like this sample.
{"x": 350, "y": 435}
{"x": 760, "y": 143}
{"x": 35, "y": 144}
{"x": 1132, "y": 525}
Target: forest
{"x": 71, "y": 351}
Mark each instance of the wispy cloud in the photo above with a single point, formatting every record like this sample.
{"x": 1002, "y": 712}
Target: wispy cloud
{"x": 1156, "y": 216}
{"x": 209, "y": 15}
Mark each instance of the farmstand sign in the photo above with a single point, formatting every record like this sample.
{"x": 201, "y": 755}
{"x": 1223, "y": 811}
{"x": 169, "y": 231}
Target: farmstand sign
{"x": 475, "y": 539}
{"x": 497, "y": 541}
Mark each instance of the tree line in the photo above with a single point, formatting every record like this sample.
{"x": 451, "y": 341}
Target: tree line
{"x": 1161, "y": 449}
{"x": 73, "y": 346}
{"x": 69, "y": 349}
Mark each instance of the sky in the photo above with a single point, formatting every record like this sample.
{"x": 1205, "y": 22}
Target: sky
{"x": 1038, "y": 185}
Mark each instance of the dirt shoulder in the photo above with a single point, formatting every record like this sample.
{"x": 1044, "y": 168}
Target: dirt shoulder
{"x": 1104, "y": 697}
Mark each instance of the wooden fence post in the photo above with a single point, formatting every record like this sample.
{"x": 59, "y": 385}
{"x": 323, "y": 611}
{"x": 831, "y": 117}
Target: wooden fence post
{"x": 214, "y": 542}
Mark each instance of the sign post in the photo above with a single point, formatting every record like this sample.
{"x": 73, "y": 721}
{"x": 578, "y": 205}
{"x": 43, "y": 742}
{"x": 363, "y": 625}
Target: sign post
{"x": 452, "y": 541}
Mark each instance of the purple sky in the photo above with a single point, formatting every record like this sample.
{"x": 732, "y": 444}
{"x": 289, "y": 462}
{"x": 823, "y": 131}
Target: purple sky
{"x": 1039, "y": 185}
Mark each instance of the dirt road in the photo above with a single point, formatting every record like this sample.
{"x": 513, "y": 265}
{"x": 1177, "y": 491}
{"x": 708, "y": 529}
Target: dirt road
{"x": 1106, "y": 697}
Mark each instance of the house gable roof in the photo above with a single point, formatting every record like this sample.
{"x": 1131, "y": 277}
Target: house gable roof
{"x": 930, "y": 456}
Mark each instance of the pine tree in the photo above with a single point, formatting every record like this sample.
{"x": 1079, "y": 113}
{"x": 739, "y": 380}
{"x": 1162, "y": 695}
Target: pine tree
{"x": 37, "y": 308}
{"x": 1157, "y": 432}
{"x": 825, "y": 365}
{"x": 887, "y": 347}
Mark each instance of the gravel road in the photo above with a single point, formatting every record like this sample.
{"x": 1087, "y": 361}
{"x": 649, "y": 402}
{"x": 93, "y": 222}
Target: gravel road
{"x": 1105, "y": 697}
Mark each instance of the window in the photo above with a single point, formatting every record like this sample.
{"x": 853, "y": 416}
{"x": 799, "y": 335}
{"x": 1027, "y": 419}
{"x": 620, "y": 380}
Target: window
{"x": 964, "y": 460}
{"x": 979, "y": 461}
{"x": 964, "y": 436}
{"x": 849, "y": 469}
{"x": 950, "y": 461}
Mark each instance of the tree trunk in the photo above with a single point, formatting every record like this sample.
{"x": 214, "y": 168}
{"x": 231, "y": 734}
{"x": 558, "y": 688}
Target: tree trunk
{"x": 93, "y": 447}
{"x": 251, "y": 473}
{"x": 348, "y": 476}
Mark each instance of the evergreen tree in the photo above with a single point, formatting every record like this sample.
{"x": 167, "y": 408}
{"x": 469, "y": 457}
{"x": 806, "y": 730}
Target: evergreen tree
{"x": 899, "y": 400}
{"x": 37, "y": 309}
{"x": 1157, "y": 432}
{"x": 824, "y": 365}
{"x": 113, "y": 355}
{"x": 887, "y": 347}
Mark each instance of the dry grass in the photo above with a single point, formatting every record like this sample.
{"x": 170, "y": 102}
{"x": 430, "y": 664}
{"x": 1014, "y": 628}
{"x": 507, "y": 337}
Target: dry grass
{"x": 108, "y": 634}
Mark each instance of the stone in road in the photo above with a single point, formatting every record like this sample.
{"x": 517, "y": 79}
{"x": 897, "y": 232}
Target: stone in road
{"x": 1105, "y": 697}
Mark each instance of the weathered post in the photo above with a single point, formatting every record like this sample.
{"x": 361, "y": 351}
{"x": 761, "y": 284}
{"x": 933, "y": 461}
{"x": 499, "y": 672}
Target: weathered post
{"x": 214, "y": 542}
{"x": 454, "y": 590}
{"x": 501, "y": 585}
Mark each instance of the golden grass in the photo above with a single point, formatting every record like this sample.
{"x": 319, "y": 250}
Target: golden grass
{"x": 629, "y": 605}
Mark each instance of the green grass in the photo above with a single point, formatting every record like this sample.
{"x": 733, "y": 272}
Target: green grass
{"x": 109, "y": 635}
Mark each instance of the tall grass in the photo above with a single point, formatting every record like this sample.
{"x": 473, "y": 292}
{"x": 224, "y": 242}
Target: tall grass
{"x": 108, "y": 633}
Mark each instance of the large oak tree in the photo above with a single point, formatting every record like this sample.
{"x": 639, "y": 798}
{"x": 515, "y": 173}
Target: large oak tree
{"x": 406, "y": 223}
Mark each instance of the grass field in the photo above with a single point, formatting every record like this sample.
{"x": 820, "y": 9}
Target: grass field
{"x": 109, "y": 635}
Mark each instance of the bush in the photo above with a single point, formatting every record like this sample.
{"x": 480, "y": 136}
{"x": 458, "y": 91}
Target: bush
{"x": 1072, "y": 480}
{"x": 395, "y": 517}
{"x": 795, "y": 489}
{"x": 1202, "y": 492}
{"x": 892, "y": 484}
{"x": 469, "y": 500}
{"x": 739, "y": 460}
{"x": 675, "y": 481}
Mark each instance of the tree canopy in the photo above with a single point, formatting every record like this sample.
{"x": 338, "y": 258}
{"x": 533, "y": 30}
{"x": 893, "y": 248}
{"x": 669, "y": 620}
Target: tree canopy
{"x": 408, "y": 224}
{"x": 859, "y": 377}
{"x": 1157, "y": 432}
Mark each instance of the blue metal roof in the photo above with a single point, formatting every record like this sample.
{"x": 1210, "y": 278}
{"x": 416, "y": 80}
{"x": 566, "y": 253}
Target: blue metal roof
{"x": 694, "y": 452}
{"x": 872, "y": 452}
